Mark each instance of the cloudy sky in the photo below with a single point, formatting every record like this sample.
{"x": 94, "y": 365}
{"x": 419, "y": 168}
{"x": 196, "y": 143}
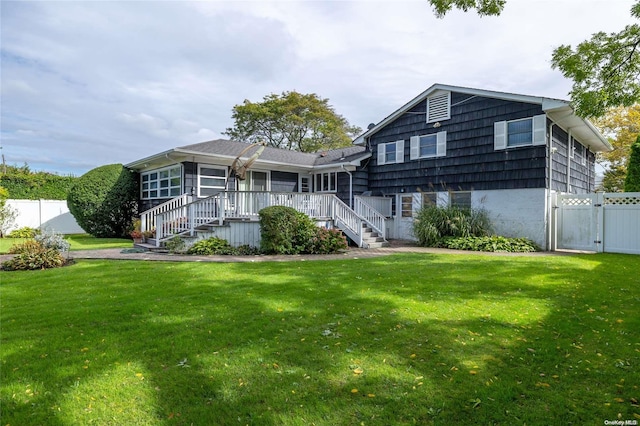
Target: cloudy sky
{"x": 89, "y": 83}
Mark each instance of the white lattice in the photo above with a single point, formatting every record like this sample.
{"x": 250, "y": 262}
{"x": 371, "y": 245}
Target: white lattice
{"x": 576, "y": 201}
{"x": 628, "y": 201}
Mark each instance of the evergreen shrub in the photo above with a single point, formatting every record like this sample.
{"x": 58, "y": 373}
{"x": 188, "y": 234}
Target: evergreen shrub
{"x": 104, "y": 201}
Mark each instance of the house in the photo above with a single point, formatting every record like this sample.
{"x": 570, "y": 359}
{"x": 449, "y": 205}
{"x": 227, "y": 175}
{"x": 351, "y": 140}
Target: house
{"x": 192, "y": 189}
{"x": 503, "y": 152}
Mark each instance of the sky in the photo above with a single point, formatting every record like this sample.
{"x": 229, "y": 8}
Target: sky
{"x": 89, "y": 83}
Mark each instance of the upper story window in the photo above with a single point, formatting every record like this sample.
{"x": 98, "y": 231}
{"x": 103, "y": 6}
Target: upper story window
{"x": 326, "y": 182}
{"x": 391, "y": 153}
{"x": 211, "y": 180}
{"x": 578, "y": 153}
{"x": 439, "y": 106}
{"x": 523, "y": 132}
{"x": 162, "y": 183}
{"x": 426, "y": 146}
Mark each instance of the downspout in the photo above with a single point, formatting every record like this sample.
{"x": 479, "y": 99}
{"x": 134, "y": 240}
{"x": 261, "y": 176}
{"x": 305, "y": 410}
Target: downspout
{"x": 350, "y": 186}
{"x": 550, "y": 198}
{"x": 570, "y": 155}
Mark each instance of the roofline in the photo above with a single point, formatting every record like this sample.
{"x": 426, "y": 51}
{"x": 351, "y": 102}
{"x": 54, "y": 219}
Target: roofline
{"x": 137, "y": 163}
{"x": 547, "y": 104}
{"x": 166, "y": 154}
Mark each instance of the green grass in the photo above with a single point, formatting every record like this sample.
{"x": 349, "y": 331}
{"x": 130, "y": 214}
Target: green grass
{"x": 403, "y": 339}
{"x": 77, "y": 241}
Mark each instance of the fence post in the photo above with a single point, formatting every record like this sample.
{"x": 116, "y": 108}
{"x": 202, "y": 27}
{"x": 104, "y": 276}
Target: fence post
{"x": 598, "y": 211}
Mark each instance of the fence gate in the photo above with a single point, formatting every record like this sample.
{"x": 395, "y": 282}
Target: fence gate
{"x": 599, "y": 222}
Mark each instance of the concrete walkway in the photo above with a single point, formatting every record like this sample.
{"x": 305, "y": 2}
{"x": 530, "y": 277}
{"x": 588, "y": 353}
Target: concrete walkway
{"x": 353, "y": 253}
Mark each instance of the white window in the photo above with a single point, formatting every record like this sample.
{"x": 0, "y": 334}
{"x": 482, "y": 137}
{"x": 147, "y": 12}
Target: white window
{"x": 439, "y": 106}
{"x": 391, "y": 153}
{"x": 211, "y": 180}
{"x": 578, "y": 152}
{"x": 460, "y": 199}
{"x": 162, "y": 183}
{"x": 326, "y": 182}
{"x": 523, "y": 132}
{"x": 427, "y": 146}
{"x": 407, "y": 206}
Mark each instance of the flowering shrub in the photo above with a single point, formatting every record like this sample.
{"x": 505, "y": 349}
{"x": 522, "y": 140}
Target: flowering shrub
{"x": 328, "y": 241}
{"x": 33, "y": 255}
{"x": 24, "y": 232}
{"x": 51, "y": 240}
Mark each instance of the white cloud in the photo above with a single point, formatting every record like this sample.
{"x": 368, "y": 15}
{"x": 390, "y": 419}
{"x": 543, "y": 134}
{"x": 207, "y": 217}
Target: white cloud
{"x": 92, "y": 83}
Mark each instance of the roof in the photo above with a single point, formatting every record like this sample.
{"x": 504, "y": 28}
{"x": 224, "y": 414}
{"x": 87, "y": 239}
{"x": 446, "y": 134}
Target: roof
{"x": 558, "y": 110}
{"x": 229, "y": 150}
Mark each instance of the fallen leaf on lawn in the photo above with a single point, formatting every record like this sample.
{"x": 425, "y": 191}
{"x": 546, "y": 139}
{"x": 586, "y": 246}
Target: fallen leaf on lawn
{"x": 473, "y": 372}
{"x": 412, "y": 356}
{"x": 618, "y": 400}
{"x": 371, "y": 395}
{"x": 354, "y": 390}
{"x": 358, "y": 371}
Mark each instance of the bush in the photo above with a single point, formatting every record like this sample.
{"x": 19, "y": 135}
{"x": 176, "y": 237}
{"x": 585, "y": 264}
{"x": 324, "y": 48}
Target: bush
{"x": 284, "y": 230}
{"x": 33, "y": 255}
{"x": 632, "y": 181}
{"x": 104, "y": 201}
{"x": 24, "y": 232}
{"x": 211, "y": 246}
{"x": 433, "y": 224}
{"x": 25, "y": 247}
{"x": 492, "y": 244}
{"x": 7, "y": 213}
{"x": 51, "y": 240}
{"x": 328, "y": 241}
{"x": 176, "y": 245}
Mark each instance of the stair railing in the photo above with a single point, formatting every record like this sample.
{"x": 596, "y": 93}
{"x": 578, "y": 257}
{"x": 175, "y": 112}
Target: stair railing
{"x": 372, "y": 216}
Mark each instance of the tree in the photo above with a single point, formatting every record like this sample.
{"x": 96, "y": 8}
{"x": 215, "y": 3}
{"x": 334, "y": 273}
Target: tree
{"x": 292, "y": 121}
{"x": 613, "y": 179}
{"x": 621, "y": 125}
{"x": 7, "y": 213}
{"x": 104, "y": 201}
{"x": 604, "y": 69}
{"x": 632, "y": 181}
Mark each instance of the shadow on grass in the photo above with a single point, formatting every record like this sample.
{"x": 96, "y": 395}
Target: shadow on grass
{"x": 396, "y": 340}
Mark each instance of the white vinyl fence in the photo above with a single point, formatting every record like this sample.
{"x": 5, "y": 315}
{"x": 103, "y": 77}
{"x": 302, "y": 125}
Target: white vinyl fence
{"x": 598, "y": 222}
{"x": 45, "y": 215}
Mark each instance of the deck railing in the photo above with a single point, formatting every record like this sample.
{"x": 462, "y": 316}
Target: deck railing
{"x": 185, "y": 218}
{"x": 148, "y": 217}
{"x": 382, "y": 205}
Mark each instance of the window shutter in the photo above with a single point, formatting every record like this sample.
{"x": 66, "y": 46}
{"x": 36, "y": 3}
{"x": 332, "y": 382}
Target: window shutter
{"x": 415, "y": 148}
{"x": 500, "y": 135}
{"x": 381, "y": 147}
{"x": 441, "y": 148}
{"x": 400, "y": 151}
{"x": 540, "y": 129}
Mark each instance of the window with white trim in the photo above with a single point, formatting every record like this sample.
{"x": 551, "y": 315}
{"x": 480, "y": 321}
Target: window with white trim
{"x": 578, "y": 152}
{"x": 162, "y": 183}
{"x": 439, "y": 106}
{"x": 522, "y": 132}
{"x": 391, "y": 152}
{"x": 460, "y": 199}
{"x": 326, "y": 182}
{"x": 407, "y": 206}
{"x": 211, "y": 180}
{"x": 428, "y": 146}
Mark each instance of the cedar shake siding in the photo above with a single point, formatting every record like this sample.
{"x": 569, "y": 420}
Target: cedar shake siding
{"x": 471, "y": 161}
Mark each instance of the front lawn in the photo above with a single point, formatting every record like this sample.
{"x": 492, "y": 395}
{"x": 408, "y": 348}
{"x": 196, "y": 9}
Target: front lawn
{"x": 77, "y": 241}
{"x": 402, "y": 339}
